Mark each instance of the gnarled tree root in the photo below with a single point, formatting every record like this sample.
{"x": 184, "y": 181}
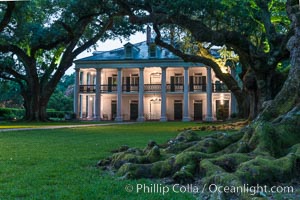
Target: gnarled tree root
{"x": 261, "y": 153}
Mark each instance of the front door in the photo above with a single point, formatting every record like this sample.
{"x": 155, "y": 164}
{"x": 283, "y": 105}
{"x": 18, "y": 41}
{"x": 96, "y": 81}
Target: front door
{"x": 178, "y": 110}
{"x": 113, "y": 110}
{"x": 134, "y": 110}
{"x": 197, "y": 110}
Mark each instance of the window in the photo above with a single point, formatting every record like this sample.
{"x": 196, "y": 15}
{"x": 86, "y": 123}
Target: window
{"x": 81, "y": 78}
{"x": 88, "y": 78}
{"x": 152, "y": 50}
{"x": 198, "y": 79}
{"x": 134, "y": 79}
{"x": 178, "y": 79}
{"x": 128, "y": 52}
{"x": 114, "y": 79}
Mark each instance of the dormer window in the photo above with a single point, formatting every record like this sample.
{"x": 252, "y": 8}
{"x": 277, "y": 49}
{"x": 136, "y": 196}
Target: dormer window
{"x": 152, "y": 51}
{"x": 128, "y": 51}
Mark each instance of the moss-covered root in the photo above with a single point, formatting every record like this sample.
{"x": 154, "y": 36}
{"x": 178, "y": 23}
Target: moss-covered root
{"x": 269, "y": 170}
{"x": 239, "y": 169}
{"x": 158, "y": 169}
{"x": 216, "y": 142}
{"x": 182, "y": 168}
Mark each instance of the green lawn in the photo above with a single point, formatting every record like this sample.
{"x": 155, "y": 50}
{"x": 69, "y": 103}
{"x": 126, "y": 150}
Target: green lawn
{"x": 60, "y": 164}
{"x": 17, "y": 124}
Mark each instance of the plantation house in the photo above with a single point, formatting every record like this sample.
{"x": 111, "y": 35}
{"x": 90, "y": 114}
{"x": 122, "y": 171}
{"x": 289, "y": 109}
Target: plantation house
{"x": 145, "y": 82}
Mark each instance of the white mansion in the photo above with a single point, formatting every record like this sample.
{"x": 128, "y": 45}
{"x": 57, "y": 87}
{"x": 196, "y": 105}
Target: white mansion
{"x": 145, "y": 82}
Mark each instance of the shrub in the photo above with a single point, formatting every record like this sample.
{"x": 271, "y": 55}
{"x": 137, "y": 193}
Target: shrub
{"x": 55, "y": 114}
{"x": 11, "y": 113}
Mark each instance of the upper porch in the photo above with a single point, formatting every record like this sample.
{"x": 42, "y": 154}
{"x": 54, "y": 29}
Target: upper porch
{"x": 152, "y": 80}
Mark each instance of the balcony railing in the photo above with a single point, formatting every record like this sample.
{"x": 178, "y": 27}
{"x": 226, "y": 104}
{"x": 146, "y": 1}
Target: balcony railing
{"x": 174, "y": 87}
{"x": 130, "y": 88}
{"x": 197, "y": 87}
{"x": 219, "y": 87}
{"x": 87, "y": 88}
{"x": 108, "y": 88}
{"x": 152, "y": 88}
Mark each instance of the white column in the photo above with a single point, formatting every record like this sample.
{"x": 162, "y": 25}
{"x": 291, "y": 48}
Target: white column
{"x": 119, "y": 117}
{"x": 90, "y": 106}
{"x": 76, "y": 92}
{"x": 83, "y": 104}
{"x": 209, "y": 116}
{"x": 163, "y": 116}
{"x": 98, "y": 95}
{"x": 87, "y": 106}
{"x": 186, "y": 116}
{"x": 141, "y": 96}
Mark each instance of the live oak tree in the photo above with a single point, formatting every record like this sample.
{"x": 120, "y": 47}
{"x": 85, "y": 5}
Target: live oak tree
{"x": 267, "y": 151}
{"x": 40, "y": 39}
{"x": 256, "y": 30}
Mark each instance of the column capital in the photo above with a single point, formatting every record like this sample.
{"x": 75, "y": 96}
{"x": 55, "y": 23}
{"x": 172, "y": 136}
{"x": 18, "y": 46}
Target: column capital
{"x": 163, "y": 68}
{"x": 141, "y": 68}
{"x": 119, "y": 69}
{"x": 98, "y": 69}
{"x": 186, "y": 68}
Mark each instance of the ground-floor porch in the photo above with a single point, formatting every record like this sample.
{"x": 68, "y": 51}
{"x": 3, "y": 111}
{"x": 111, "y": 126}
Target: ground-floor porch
{"x": 132, "y": 107}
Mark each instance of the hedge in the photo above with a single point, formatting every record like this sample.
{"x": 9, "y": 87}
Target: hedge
{"x": 13, "y": 113}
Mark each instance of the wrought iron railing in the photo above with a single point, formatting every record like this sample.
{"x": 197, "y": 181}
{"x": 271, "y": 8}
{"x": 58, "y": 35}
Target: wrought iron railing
{"x": 197, "y": 87}
{"x": 174, "y": 87}
{"x": 108, "y": 88}
{"x": 153, "y": 88}
{"x": 130, "y": 88}
{"x": 87, "y": 88}
{"x": 219, "y": 87}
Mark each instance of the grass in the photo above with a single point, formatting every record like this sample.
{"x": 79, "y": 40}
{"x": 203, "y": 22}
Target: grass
{"x": 21, "y": 124}
{"x": 60, "y": 164}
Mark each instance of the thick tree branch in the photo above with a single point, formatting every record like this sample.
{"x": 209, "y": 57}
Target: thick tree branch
{"x": 3, "y": 76}
{"x": 95, "y": 39}
{"x": 13, "y": 73}
{"x": 18, "y": 51}
{"x": 8, "y": 13}
{"x": 226, "y": 78}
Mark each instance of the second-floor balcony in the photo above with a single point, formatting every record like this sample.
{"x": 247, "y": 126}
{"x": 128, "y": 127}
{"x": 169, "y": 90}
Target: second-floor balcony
{"x": 148, "y": 88}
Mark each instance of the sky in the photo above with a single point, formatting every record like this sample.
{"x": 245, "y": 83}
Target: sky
{"x": 109, "y": 45}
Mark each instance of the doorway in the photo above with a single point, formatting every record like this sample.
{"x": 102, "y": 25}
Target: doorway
{"x": 134, "y": 110}
{"x": 198, "y": 110}
{"x": 113, "y": 109}
{"x": 177, "y": 110}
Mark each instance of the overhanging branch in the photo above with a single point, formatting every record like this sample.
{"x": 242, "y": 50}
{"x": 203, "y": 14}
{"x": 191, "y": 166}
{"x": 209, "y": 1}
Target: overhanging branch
{"x": 8, "y": 13}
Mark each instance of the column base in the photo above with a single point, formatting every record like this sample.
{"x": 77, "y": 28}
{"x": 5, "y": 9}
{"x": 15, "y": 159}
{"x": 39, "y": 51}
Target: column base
{"x": 118, "y": 119}
{"x": 163, "y": 119}
{"x": 186, "y": 119}
{"x": 140, "y": 119}
{"x": 209, "y": 119}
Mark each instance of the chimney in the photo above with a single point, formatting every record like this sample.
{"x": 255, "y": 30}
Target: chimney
{"x": 148, "y": 35}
